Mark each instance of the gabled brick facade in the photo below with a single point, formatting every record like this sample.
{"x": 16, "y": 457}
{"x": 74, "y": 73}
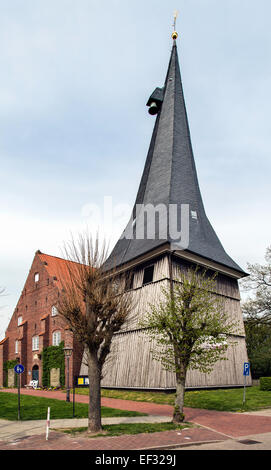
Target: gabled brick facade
{"x": 34, "y": 316}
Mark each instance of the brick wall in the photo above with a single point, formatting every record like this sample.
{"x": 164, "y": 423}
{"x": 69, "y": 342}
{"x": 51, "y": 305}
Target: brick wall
{"x": 34, "y": 308}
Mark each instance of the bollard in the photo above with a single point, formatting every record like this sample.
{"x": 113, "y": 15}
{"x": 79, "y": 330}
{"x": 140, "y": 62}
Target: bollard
{"x": 48, "y": 424}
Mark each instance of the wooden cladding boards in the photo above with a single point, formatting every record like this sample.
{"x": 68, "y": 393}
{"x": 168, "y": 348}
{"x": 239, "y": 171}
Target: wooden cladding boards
{"x": 130, "y": 363}
{"x": 142, "y": 299}
{"x": 161, "y": 271}
{"x": 153, "y": 293}
{"x": 225, "y": 285}
{"x": 135, "y": 367}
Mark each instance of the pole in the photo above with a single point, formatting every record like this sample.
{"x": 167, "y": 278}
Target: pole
{"x": 68, "y": 381}
{"x": 73, "y": 402}
{"x": 48, "y": 423}
{"x": 19, "y": 400}
{"x": 244, "y": 396}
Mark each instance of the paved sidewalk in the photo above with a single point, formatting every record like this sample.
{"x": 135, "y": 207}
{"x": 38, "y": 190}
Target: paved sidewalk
{"x": 251, "y": 442}
{"x": 11, "y": 430}
{"x": 158, "y": 440}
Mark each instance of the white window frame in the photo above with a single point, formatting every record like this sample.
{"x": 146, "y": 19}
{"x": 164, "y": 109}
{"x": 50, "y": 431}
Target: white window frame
{"x": 16, "y": 346}
{"x": 36, "y": 277}
{"x": 54, "y": 311}
{"x": 35, "y": 343}
{"x": 20, "y": 320}
{"x": 56, "y": 338}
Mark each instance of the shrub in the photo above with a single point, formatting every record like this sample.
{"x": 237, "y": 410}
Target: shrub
{"x": 265, "y": 383}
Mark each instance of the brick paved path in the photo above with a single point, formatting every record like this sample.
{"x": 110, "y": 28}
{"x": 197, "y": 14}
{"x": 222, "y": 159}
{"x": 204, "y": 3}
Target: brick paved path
{"x": 58, "y": 441}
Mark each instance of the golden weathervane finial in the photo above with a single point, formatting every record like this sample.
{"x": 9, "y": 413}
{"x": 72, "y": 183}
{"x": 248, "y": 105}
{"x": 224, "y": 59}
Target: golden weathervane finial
{"x": 175, "y": 34}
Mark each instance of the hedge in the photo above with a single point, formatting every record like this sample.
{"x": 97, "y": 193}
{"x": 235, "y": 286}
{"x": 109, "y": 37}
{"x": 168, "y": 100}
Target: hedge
{"x": 265, "y": 383}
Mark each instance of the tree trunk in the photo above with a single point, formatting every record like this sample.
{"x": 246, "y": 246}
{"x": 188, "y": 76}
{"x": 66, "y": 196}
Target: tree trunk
{"x": 94, "y": 410}
{"x": 178, "y": 415}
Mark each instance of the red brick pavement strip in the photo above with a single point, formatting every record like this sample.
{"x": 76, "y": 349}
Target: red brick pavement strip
{"x": 230, "y": 424}
{"x": 58, "y": 441}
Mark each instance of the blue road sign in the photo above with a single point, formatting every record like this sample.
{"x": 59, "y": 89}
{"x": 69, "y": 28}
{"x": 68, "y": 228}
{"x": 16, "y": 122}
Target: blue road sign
{"x": 19, "y": 368}
{"x": 246, "y": 368}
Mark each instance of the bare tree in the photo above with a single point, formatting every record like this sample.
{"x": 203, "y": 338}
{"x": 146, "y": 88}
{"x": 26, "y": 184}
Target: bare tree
{"x": 95, "y": 308}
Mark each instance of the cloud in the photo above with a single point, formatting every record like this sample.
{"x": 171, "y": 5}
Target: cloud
{"x": 75, "y": 78}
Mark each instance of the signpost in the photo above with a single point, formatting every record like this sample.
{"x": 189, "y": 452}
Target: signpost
{"x": 19, "y": 369}
{"x": 48, "y": 423}
{"x": 245, "y": 374}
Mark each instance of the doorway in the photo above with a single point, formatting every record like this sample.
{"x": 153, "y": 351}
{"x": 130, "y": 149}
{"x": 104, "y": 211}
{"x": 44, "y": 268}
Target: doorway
{"x": 35, "y": 373}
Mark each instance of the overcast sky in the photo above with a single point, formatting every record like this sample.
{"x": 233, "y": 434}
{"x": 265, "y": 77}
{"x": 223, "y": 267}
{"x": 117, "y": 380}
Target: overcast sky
{"x": 74, "y": 127}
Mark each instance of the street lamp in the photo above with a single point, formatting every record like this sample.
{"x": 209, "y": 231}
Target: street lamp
{"x": 68, "y": 353}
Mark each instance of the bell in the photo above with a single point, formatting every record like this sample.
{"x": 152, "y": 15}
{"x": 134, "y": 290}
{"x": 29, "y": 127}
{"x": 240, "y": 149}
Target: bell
{"x": 153, "y": 109}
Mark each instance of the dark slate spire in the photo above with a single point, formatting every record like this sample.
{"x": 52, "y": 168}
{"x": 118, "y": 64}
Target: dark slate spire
{"x": 170, "y": 177}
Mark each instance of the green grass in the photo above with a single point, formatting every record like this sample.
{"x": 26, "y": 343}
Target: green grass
{"x": 36, "y": 408}
{"x": 221, "y": 400}
{"x": 135, "y": 428}
{"x": 229, "y": 399}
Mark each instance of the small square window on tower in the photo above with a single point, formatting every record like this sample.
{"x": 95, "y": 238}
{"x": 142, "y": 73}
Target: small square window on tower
{"x": 148, "y": 275}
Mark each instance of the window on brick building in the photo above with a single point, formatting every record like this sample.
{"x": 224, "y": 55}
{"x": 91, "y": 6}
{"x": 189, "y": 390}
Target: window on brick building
{"x": 54, "y": 311}
{"x": 16, "y": 346}
{"x": 56, "y": 338}
{"x": 36, "y": 277}
{"x": 35, "y": 343}
{"x": 20, "y": 320}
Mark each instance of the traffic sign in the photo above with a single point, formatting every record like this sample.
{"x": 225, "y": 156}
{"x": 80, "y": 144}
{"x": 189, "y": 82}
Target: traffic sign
{"x": 246, "y": 368}
{"x": 19, "y": 368}
{"x": 245, "y": 374}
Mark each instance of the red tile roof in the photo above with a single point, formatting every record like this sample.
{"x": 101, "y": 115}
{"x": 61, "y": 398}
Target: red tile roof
{"x": 58, "y": 268}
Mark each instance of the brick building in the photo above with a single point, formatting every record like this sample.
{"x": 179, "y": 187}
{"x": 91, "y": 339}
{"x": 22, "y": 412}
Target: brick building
{"x": 35, "y": 323}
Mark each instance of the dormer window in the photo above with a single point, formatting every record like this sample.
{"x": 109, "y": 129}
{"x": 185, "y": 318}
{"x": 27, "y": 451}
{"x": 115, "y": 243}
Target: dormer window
{"x": 36, "y": 277}
{"x": 54, "y": 311}
{"x": 20, "y": 320}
